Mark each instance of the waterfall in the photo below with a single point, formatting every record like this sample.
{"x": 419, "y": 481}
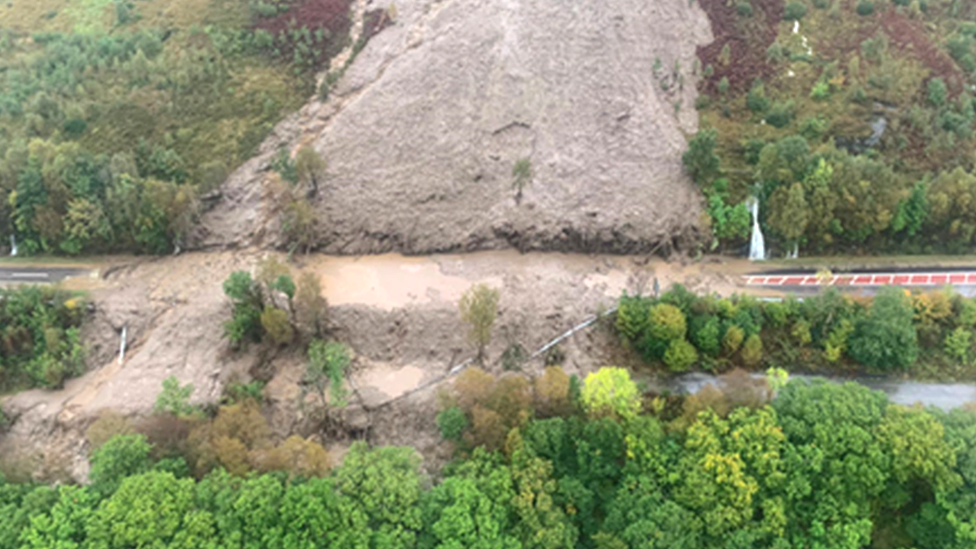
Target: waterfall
{"x": 757, "y": 246}
{"x": 13, "y": 246}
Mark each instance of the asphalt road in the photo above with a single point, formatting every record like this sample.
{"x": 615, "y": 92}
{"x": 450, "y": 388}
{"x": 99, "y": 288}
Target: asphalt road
{"x": 37, "y": 275}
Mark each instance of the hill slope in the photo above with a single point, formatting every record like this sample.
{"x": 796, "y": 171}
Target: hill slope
{"x": 423, "y": 132}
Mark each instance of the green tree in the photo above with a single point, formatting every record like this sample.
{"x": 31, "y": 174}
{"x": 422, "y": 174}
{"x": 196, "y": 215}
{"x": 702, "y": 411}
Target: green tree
{"x": 680, "y": 355}
{"x": 122, "y": 456}
{"x": 958, "y": 343}
{"x": 886, "y": 337}
{"x": 175, "y": 399}
{"x": 752, "y": 350}
{"x": 611, "y": 392}
{"x": 452, "y": 422}
{"x": 379, "y": 497}
{"x": 245, "y": 294}
{"x": 328, "y": 363}
{"x": 789, "y": 212}
{"x": 700, "y": 159}
{"x": 479, "y": 307}
{"x": 147, "y": 510}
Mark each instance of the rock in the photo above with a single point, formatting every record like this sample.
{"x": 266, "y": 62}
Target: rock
{"x": 355, "y": 418}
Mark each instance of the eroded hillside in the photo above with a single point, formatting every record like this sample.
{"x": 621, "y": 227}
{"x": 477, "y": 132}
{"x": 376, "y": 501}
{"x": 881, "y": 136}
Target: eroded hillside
{"x": 424, "y": 131}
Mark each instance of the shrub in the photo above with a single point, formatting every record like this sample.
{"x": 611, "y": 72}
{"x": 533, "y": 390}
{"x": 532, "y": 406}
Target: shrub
{"x": 108, "y": 425}
{"x": 801, "y": 333}
{"x": 552, "y": 393}
{"x": 327, "y": 365}
{"x": 275, "y": 323}
{"x": 667, "y": 322}
{"x": 820, "y": 91}
{"x": 723, "y": 85}
{"x": 752, "y": 351}
{"x": 794, "y": 11}
{"x": 957, "y": 344}
{"x": 886, "y": 337}
{"x": 700, "y": 159}
{"x": 865, "y": 8}
{"x": 732, "y": 339}
{"x": 632, "y": 317}
{"x": 174, "y": 399}
{"x": 245, "y": 322}
{"x": 937, "y": 92}
{"x": 706, "y": 333}
{"x": 452, "y": 422}
{"x": 122, "y": 456}
{"x": 680, "y": 355}
{"x": 781, "y": 115}
{"x": 756, "y": 100}
{"x": 744, "y": 8}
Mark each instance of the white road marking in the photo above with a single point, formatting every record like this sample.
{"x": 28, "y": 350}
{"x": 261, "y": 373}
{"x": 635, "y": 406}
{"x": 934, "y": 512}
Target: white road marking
{"x": 29, "y": 275}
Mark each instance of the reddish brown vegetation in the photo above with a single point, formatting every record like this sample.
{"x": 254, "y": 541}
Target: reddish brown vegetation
{"x": 313, "y": 14}
{"x": 909, "y": 35}
{"x": 374, "y": 21}
{"x": 748, "y": 40}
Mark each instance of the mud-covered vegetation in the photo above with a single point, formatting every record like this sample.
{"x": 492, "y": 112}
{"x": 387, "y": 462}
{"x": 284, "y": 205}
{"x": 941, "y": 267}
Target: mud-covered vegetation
{"x": 851, "y": 121}
{"x": 929, "y": 335}
{"x": 596, "y": 464}
{"x": 116, "y": 115}
{"x": 40, "y": 345}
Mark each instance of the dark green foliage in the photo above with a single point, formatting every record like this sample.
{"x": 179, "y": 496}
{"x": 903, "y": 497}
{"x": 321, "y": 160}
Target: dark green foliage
{"x": 937, "y": 92}
{"x": 452, "y": 422}
{"x": 794, "y": 11}
{"x": 700, "y": 159}
{"x": 886, "y": 337}
{"x": 40, "y": 345}
{"x": 245, "y": 294}
{"x": 865, "y": 7}
{"x": 744, "y": 8}
{"x": 781, "y": 114}
{"x": 756, "y": 100}
{"x": 120, "y": 457}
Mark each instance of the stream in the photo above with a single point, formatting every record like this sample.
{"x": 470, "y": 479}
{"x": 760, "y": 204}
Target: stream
{"x": 941, "y": 395}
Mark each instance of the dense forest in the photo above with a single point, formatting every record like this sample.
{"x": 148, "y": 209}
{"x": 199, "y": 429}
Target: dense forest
{"x": 928, "y": 335}
{"x": 553, "y": 463}
{"x": 115, "y": 115}
{"x": 851, "y": 121}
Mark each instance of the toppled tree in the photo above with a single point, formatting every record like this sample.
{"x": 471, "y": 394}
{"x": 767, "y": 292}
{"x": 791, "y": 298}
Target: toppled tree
{"x": 479, "y": 307}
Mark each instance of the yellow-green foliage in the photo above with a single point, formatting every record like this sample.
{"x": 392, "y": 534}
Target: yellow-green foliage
{"x": 611, "y": 392}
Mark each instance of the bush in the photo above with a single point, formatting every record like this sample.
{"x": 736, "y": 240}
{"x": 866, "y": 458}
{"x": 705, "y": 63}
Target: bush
{"x": 937, "y": 92}
{"x": 865, "y": 8}
{"x": 479, "y": 307}
{"x": 886, "y": 337}
{"x": 667, "y": 322}
{"x": 744, "y": 8}
{"x": 732, "y": 339}
{"x": 452, "y": 422}
{"x": 794, "y": 11}
{"x": 680, "y": 356}
{"x": 706, "y": 334}
{"x": 756, "y": 100}
{"x": 752, "y": 351}
{"x": 632, "y": 317}
{"x": 957, "y": 344}
{"x": 781, "y": 115}
{"x": 700, "y": 159}
{"x": 120, "y": 457}
{"x": 275, "y": 323}
{"x": 174, "y": 399}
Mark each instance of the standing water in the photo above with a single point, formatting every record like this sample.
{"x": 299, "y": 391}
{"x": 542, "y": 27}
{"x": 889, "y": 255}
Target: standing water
{"x": 757, "y": 246}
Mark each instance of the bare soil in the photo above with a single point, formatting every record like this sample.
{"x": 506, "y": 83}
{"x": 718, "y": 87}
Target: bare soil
{"x": 398, "y": 314}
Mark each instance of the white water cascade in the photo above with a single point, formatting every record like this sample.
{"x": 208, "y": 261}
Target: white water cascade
{"x": 757, "y": 245}
{"x": 13, "y": 246}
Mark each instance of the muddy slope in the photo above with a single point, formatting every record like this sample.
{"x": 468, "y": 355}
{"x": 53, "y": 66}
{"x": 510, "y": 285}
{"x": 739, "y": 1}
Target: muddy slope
{"x": 423, "y": 132}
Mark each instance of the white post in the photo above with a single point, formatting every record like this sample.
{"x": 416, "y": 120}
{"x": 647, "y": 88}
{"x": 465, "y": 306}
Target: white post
{"x": 122, "y": 346}
{"x": 13, "y": 246}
